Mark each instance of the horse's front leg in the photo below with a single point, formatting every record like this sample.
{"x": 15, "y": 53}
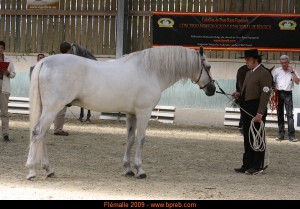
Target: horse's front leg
{"x": 131, "y": 127}
{"x": 142, "y": 123}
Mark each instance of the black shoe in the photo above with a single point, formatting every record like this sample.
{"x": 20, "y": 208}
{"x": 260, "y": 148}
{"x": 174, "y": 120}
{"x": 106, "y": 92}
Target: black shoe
{"x": 61, "y": 133}
{"x": 6, "y": 138}
{"x": 293, "y": 139}
{"x": 253, "y": 171}
{"x": 80, "y": 119}
{"x": 240, "y": 170}
{"x": 279, "y": 138}
{"x": 88, "y": 120}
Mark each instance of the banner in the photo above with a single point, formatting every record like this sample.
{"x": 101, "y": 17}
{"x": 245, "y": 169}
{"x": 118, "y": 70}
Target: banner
{"x": 267, "y": 32}
{"x": 43, "y": 4}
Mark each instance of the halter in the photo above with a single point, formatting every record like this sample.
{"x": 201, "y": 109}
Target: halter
{"x": 201, "y": 71}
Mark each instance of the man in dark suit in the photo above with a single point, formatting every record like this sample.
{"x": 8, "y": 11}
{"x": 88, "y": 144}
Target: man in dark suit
{"x": 255, "y": 95}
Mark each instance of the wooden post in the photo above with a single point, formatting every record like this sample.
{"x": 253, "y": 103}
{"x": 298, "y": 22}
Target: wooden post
{"x": 121, "y": 28}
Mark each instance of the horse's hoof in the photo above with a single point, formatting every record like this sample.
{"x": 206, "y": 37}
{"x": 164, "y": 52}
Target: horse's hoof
{"x": 51, "y": 175}
{"x": 129, "y": 174}
{"x": 30, "y": 177}
{"x": 142, "y": 176}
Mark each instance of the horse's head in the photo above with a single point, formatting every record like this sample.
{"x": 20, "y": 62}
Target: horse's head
{"x": 203, "y": 76}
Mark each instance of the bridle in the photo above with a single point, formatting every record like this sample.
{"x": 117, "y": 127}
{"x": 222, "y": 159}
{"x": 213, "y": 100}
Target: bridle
{"x": 201, "y": 71}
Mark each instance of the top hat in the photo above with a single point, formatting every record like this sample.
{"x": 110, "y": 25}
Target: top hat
{"x": 251, "y": 53}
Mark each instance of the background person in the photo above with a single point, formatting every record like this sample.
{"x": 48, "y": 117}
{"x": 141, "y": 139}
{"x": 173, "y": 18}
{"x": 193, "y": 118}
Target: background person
{"x": 284, "y": 78}
{"x": 5, "y": 76}
{"x": 38, "y": 58}
{"x": 240, "y": 77}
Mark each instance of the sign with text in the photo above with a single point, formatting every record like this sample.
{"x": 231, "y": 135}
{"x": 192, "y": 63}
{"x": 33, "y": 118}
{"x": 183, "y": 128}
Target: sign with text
{"x": 269, "y": 32}
{"x": 43, "y": 4}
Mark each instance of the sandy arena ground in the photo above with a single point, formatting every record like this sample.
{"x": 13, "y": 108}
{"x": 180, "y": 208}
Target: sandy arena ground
{"x": 182, "y": 163}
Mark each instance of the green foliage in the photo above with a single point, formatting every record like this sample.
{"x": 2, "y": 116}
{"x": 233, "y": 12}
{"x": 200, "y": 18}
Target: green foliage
{"x": 27, "y": 52}
{"x": 52, "y": 52}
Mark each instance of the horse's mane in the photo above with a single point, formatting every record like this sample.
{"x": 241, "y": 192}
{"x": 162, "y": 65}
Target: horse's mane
{"x": 169, "y": 62}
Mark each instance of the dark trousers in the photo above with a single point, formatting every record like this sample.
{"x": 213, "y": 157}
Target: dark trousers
{"x": 82, "y": 113}
{"x": 251, "y": 158}
{"x": 285, "y": 99}
{"x": 241, "y": 121}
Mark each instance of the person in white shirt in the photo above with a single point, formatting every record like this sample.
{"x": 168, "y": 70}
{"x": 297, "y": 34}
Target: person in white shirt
{"x": 284, "y": 78}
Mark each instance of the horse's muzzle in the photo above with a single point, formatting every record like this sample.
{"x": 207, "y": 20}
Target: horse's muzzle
{"x": 210, "y": 89}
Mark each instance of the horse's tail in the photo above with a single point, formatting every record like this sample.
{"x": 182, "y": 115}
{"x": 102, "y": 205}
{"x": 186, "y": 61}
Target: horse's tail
{"x": 35, "y": 100}
{"x": 35, "y": 152}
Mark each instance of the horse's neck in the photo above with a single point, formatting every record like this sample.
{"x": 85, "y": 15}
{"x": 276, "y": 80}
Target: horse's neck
{"x": 166, "y": 70}
{"x": 166, "y": 80}
{"x": 164, "y": 84}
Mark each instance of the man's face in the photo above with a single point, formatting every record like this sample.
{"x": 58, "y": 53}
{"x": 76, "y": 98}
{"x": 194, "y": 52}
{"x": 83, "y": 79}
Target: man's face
{"x": 284, "y": 64}
{"x": 40, "y": 57}
{"x": 250, "y": 62}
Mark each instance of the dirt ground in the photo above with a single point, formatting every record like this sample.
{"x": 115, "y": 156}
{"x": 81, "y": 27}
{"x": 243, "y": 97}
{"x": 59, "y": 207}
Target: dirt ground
{"x": 181, "y": 162}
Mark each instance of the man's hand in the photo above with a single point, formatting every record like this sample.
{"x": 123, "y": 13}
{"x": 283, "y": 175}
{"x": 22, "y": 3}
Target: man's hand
{"x": 290, "y": 69}
{"x": 7, "y": 73}
{"x": 258, "y": 118}
{"x": 236, "y": 95}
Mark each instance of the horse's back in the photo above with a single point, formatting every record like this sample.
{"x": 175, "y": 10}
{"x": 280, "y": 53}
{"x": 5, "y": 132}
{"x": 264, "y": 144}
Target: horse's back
{"x": 68, "y": 62}
{"x": 98, "y": 85}
{"x": 66, "y": 70}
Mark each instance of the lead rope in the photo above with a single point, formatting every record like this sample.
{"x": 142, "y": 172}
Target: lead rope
{"x": 259, "y": 141}
{"x": 259, "y": 135}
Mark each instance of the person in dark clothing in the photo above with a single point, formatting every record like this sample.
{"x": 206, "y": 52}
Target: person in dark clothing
{"x": 255, "y": 95}
{"x": 38, "y": 58}
{"x": 67, "y": 48}
{"x": 240, "y": 77}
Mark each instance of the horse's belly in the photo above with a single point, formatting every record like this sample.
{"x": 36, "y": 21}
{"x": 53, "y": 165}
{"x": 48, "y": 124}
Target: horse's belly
{"x": 105, "y": 105}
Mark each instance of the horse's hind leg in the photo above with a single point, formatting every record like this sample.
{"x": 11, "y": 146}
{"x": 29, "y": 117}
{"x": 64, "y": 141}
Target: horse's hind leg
{"x": 38, "y": 154}
{"x": 49, "y": 172}
{"x": 30, "y": 164}
{"x": 37, "y": 149}
{"x": 131, "y": 127}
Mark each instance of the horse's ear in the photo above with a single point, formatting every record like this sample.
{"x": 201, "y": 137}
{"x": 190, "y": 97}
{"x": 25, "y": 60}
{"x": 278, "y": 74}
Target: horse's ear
{"x": 201, "y": 51}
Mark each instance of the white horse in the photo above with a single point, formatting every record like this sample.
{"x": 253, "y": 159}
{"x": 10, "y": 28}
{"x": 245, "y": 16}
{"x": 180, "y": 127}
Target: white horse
{"x": 131, "y": 84}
